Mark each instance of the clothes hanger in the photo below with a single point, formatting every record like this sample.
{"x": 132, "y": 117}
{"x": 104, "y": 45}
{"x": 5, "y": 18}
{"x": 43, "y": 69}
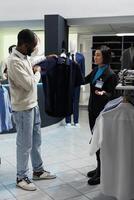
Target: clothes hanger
{"x": 63, "y": 53}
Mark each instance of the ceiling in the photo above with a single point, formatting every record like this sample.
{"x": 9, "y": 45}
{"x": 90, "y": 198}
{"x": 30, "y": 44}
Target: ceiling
{"x": 92, "y": 26}
{"x": 111, "y": 29}
{"x": 102, "y": 25}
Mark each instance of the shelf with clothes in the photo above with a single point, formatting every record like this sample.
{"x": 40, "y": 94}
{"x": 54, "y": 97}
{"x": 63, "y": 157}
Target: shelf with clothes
{"x": 6, "y": 122}
{"x": 128, "y": 41}
{"x": 115, "y": 44}
{"x": 46, "y": 120}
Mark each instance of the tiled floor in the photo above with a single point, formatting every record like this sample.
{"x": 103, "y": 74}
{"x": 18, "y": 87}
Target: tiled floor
{"x": 65, "y": 152}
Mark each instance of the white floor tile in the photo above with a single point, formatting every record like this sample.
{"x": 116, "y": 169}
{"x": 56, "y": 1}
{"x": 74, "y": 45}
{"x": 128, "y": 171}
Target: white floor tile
{"x": 42, "y": 184}
{"x": 5, "y": 194}
{"x": 70, "y": 176}
{"x": 79, "y": 198}
{"x": 97, "y": 195}
{"x": 62, "y": 192}
{"x": 64, "y": 152}
{"x": 82, "y": 186}
{"x": 84, "y": 170}
{"x": 58, "y": 167}
{"x": 35, "y": 195}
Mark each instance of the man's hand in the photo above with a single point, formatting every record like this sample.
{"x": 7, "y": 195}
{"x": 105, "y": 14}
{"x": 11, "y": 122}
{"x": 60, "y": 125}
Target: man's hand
{"x": 52, "y": 55}
{"x": 36, "y": 68}
{"x": 100, "y": 92}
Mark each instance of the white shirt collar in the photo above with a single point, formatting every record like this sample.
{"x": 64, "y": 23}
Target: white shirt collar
{"x": 20, "y": 55}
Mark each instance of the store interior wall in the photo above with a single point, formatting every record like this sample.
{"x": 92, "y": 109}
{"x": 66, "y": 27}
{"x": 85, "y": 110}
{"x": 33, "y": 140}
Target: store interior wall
{"x": 9, "y": 37}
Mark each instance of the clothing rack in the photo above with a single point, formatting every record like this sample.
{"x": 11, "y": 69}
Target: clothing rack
{"x": 126, "y": 92}
{"x": 0, "y": 86}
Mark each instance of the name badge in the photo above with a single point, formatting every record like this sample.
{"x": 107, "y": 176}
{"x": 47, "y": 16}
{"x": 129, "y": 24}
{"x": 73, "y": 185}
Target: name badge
{"x": 99, "y": 84}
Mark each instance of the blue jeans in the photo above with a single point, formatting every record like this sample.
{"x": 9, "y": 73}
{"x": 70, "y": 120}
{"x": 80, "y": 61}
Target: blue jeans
{"x": 76, "y": 97}
{"x": 28, "y": 126}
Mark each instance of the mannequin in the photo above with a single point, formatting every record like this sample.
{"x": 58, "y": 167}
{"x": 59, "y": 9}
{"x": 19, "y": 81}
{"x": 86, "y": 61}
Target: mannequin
{"x": 79, "y": 58}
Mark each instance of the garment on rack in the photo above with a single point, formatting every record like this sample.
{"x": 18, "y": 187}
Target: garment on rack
{"x": 59, "y": 76}
{"x": 5, "y": 110}
{"x": 127, "y": 58}
{"x": 113, "y": 104}
{"x": 37, "y": 59}
{"x": 113, "y": 134}
{"x": 79, "y": 58}
{"x": 3, "y": 70}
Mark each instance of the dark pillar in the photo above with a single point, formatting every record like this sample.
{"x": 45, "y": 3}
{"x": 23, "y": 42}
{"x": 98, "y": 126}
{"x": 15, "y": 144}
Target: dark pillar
{"x": 56, "y": 34}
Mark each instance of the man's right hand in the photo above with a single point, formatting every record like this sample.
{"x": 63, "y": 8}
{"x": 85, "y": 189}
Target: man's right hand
{"x": 52, "y": 55}
{"x": 36, "y": 68}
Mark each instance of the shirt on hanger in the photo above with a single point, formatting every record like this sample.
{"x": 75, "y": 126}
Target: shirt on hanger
{"x": 113, "y": 134}
{"x": 5, "y": 110}
{"x": 59, "y": 77}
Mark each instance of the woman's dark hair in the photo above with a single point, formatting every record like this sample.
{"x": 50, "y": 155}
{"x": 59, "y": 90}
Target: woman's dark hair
{"x": 26, "y": 36}
{"x": 106, "y": 53}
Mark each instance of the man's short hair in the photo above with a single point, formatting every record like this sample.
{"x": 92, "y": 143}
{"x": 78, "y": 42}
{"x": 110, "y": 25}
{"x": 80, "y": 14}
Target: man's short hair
{"x": 26, "y": 36}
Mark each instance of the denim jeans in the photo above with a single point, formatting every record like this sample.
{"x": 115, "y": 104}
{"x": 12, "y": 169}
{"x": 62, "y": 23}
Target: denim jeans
{"x": 28, "y": 141}
{"x": 76, "y": 97}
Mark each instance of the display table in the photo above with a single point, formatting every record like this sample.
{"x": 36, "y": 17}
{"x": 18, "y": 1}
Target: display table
{"x": 46, "y": 120}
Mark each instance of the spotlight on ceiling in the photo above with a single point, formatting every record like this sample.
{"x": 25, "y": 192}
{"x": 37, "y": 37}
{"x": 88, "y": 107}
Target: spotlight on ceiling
{"x": 125, "y": 34}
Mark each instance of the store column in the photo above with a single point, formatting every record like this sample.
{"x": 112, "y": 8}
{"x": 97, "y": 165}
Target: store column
{"x": 56, "y": 34}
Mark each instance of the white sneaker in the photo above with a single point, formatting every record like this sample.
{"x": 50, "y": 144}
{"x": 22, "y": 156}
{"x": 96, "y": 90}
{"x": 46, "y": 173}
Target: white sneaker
{"x": 26, "y": 184}
{"x": 77, "y": 125}
{"x": 68, "y": 125}
{"x": 43, "y": 175}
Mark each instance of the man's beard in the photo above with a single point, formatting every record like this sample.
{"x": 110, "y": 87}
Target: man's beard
{"x": 29, "y": 52}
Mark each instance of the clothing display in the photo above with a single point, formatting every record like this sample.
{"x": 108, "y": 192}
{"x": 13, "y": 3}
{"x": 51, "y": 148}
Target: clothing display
{"x": 126, "y": 77}
{"x": 59, "y": 76}
{"x": 79, "y": 58}
{"x": 113, "y": 135}
{"x": 5, "y": 110}
{"x": 3, "y": 69}
{"x": 113, "y": 104}
{"x": 127, "y": 58}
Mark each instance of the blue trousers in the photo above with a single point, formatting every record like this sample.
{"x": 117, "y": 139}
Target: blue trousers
{"x": 28, "y": 141}
{"x": 76, "y": 97}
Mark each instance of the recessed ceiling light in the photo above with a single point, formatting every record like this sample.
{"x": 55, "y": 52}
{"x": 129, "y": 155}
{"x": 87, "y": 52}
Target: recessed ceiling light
{"x": 125, "y": 34}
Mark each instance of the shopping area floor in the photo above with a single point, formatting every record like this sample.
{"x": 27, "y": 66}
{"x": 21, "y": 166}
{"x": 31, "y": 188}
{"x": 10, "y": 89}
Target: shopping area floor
{"x": 65, "y": 152}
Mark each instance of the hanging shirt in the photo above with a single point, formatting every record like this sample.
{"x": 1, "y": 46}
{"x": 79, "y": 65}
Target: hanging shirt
{"x": 81, "y": 61}
{"x": 113, "y": 134}
{"x": 59, "y": 77}
{"x": 5, "y": 110}
{"x": 127, "y": 58}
